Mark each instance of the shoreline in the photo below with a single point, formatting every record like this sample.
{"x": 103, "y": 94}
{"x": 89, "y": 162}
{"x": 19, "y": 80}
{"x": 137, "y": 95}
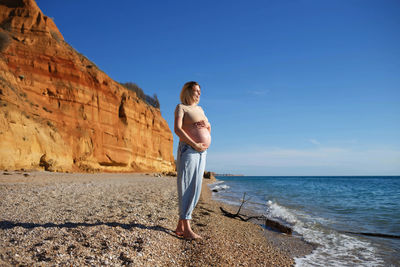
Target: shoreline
{"x": 123, "y": 219}
{"x": 317, "y": 216}
{"x": 293, "y": 245}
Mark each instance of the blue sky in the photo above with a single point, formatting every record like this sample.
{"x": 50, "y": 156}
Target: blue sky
{"x": 303, "y": 87}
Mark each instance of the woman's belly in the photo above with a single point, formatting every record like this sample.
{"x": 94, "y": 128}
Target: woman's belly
{"x": 200, "y": 135}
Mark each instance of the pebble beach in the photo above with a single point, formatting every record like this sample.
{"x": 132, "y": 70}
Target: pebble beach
{"x": 110, "y": 219}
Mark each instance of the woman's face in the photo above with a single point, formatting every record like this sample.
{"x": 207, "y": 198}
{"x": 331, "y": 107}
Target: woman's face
{"x": 196, "y": 93}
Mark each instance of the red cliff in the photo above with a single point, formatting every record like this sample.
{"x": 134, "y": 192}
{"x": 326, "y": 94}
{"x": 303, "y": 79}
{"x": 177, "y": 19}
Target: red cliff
{"x": 60, "y": 112}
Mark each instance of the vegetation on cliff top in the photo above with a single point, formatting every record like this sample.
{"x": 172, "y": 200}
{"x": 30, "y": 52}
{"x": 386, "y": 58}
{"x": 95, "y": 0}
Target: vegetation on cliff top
{"x": 152, "y": 101}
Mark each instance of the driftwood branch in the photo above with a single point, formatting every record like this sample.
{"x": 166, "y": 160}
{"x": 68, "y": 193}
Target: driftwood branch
{"x": 244, "y": 200}
{"x": 268, "y": 222}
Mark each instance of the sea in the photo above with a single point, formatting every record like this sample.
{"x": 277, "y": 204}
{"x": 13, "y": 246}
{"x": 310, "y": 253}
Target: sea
{"x": 341, "y": 214}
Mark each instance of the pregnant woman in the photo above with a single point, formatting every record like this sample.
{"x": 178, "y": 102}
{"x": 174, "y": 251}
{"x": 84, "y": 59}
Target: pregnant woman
{"x": 193, "y": 130}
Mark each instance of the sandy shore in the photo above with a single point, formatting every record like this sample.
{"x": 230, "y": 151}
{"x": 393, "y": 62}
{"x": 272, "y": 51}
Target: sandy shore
{"x": 49, "y": 219}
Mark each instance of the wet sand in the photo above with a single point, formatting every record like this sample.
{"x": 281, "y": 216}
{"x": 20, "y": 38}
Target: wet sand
{"x": 49, "y": 219}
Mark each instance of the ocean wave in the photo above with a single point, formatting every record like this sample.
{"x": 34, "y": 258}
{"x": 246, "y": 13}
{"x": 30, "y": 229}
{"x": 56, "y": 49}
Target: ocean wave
{"x": 334, "y": 248}
{"x": 218, "y": 186}
{"x": 275, "y": 211}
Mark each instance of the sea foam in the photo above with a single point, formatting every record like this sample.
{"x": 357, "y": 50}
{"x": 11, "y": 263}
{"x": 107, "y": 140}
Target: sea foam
{"x": 334, "y": 248}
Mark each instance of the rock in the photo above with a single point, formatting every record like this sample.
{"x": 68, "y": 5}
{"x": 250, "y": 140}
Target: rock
{"x": 170, "y": 173}
{"x": 278, "y": 226}
{"x": 52, "y": 104}
{"x": 46, "y": 163}
{"x": 209, "y": 175}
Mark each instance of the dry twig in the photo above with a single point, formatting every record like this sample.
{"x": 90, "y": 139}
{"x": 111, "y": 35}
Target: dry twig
{"x": 268, "y": 222}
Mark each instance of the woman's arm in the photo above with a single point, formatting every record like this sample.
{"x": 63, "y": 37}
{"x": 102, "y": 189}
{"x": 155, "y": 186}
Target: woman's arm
{"x": 184, "y": 136}
{"x": 208, "y": 125}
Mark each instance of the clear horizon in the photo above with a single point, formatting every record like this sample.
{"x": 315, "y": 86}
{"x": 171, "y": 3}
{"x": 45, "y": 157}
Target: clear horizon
{"x": 291, "y": 88}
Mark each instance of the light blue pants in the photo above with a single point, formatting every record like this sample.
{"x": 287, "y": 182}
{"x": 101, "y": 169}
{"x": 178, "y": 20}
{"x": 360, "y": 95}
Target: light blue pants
{"x": 190, "y": 167}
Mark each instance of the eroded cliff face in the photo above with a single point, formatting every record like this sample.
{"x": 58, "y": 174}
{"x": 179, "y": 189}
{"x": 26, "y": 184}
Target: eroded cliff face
{"x": 60, "y": 112}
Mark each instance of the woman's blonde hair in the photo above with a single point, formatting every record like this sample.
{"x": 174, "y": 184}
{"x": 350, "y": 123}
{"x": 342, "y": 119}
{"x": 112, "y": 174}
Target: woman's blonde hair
{"x": 187, "y": 93}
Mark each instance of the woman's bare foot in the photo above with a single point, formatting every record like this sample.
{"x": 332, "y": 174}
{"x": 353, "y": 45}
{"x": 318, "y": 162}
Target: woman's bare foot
{"x": 184, "y": 230}
{"x": 178, "y": 233}
{"x": 180, "y": 229}
{"x": 189, "y": 235}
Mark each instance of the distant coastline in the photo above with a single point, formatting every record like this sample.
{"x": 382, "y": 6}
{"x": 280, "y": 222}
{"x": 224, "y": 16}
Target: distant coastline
{"x": 228, "y": 174}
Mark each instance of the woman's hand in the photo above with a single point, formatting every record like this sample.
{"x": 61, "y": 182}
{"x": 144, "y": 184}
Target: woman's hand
{"x": 200, "y": 147}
